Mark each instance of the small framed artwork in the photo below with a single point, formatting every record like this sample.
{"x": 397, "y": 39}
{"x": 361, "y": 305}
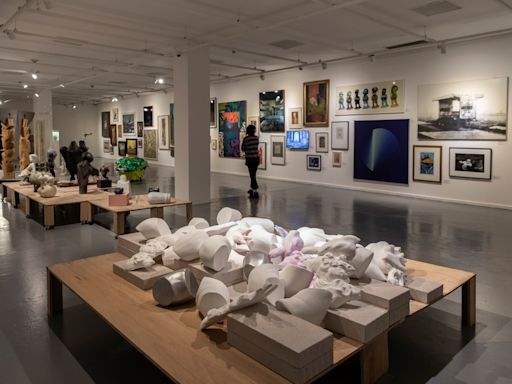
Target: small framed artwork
{"x": 262, "y": 153}
{"x": 121, "y": 148}
{"x": 471, "y": 163}
{"x": 254, "y": 120}
{"x": 336, "y": 159}
{"x": 295, "y": 118}
{"x": 119, "y": 131}
{"x": 339, "y": 135}
{"x": 214, "y": 144}
{"x": 115, "y": 115}
{"x": 316, "y": 104}
{"x": 151, "y": 144}
{"x": 107, "y": 146}
{"x": 105, "y": 123}
{"x": 148, "y": 116}
{"x": 321, "y": 142}
{"x": 131, "y": 147}
{"x": 213, "y": 112}
{"x": 140, "y": 129}
{"x": 427, "y": 163}
{"x": 277, "y": 155}
{"x": 113, "y": 134}
{"x": 129, "y": 124}
{"x": 139, "y": 143}
{"x": 163, "y": 131}
{"x": 314, "y": 162}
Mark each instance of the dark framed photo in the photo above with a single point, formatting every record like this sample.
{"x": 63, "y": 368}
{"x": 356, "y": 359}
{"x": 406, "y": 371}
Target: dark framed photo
{"x": 105, "y": 124}
{"x": 321, "y": 142}
{"x": 113, "y": 134}
{"x": 140, "y": 129}
{"x": 314, "y": 162}
{"x": 131, "y": 147}
{"x": 121, "y": 148}
{"x": 148, "y": 116}
{"x": 213, "y": 112}
{"x": 471, "y": 163}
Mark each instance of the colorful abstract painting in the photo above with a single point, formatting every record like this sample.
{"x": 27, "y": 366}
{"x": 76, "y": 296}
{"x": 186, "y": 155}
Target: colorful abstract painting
{"x": 316, "y": 104}
{"x": 427, "y": 163}
{"x": 232, "y": 126}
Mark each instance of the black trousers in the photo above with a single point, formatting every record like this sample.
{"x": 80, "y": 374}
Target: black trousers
{"x": 252, "y": 165}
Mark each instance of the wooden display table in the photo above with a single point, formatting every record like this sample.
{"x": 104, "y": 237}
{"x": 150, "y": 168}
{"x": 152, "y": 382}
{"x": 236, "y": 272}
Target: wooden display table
{"x": 137, "y": 203}
{"x": 171, "y": 339}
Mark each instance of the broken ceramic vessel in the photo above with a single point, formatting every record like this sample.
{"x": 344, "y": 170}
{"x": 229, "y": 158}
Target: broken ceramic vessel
{"x": 199, "y": 223}
{"x": 342, "y": 292}
{"x": 295, "y": 279}
{"x": 138, "y": 261}
{"x": 251, "y": 260}
{"x": 175, "y": 288}
{"x": 154, "y": 247}
{"x": 214, "y": 252}
{"x": 266, "y": 224}
{"x": 212, "y": 293}
{"x": 263, "y": 275}
{"x": 310, "y": 304}
{"x": 227, "y": 215}
{"x": 153, "y": 227}
{"x": 187, "y": 246}
{"x": 386, "y": 257}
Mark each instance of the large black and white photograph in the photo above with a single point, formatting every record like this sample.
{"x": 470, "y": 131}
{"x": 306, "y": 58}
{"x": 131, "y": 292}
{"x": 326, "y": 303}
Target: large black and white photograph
{"x": 469, "y": 110}
{"x": 474, "y": 163}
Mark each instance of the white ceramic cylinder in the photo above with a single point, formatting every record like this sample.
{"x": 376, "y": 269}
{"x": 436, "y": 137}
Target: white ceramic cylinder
{"x": 153, "y": 227}
{"x": 211, "y": 293}
{"x": 214, "y": 252}
{"x": 159, "y": 197}
{"x": 295, "y": 279}
{"x": 187, "y": 247}
{"x": 199, "y": 223}
{"x": 175, "y": 288}
{"x": 227, "y": 215}
{"x": 310, "y": 304}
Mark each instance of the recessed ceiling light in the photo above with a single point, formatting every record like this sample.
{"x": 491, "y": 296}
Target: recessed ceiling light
{"x": 1, "y": 102}
{"x": 34, "y": 76}
{"x": 61, "y": 85}
{"x": 25, "y": 86}
{"x": 114, "y": 99}
{"x": 159, "y": 81}
{"x": 74, "y": 106}
{"x": 36, "y": 94}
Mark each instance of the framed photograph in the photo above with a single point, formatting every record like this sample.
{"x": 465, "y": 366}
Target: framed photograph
{"x": 113, "y": 134}
{"x": 213, "y": 112}
{"x": 254, "y": 120}
{"x": 107, "y": 147}
{"x": 427, "y": 163}
{"x": 163, "y": 132}
{"x": 339, "y": 135}
{"x": 214, "y": 144}
{"x": 148, "y": 116}
{"x": 115, "y": 115}
{"x": 321, "y": 142}
{"x": 129, "y": 124}
{"x": 336, "y": 159}
{"x": 105, "y": 124}
{"x": 316, "y": 104}
{"x": 131, "y": 147}
{"x": 314, "y": 162}
{"x": 262, "y": 153}
{"x": 151, "y": 144}
{"x": 140, "y": 129}
{"x": 119, "y": 131}
{"x": 295, "y": 118}
{"x": 471, "y": 163}
{"x": 232, "y": 126}
{"x": 121, "y": 148}
{"x": 171, "y": 128}
{"x": 139, "y": 143}
{"x": 272, "y": 111}
{"x": 277, "y": 155}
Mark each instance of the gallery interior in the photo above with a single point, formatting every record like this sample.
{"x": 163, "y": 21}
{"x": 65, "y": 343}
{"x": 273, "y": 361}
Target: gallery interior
{"x": 373, "y": 248}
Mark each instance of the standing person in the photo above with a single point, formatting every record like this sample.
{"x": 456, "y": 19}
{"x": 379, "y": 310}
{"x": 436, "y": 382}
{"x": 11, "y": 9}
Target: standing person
{"x": 252, "y": 158}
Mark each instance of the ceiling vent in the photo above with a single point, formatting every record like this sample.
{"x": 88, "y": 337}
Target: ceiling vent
{"x": 286, "y": 44}
{"x": 409, "y": 44}
{"x": 436, "y": 8}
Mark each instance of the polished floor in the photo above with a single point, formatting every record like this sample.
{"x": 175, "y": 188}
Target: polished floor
{"x": 78, "y": 347}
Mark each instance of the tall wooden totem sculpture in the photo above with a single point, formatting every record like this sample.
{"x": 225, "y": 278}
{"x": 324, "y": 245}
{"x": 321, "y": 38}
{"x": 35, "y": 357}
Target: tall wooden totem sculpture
{"x": 24, "y": 143}
{"x": 8, "y": 145}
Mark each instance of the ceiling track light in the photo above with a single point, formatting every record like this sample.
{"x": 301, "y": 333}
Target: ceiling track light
{"x": 25, "y": 86}
{"x": 74, "y": 106}
{"x": 301, "y": 68}
{"x": 323, "y": 64}
{"x": 36, "y": 94}
{"x": 372, "y": 58}
{"x": 262, "y": 76}
{"x": 442, "y": 48}
{"x": 114, "y": 99}
{"x": 159, "y": 81}
{"x": 61, "y": 85}
{"x": 34, "y": 75}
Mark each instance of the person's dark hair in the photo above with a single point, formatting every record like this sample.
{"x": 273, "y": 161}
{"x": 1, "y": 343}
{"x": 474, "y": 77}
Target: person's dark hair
{"x": 73, "y": 146}
{"x": 251, "y": 130}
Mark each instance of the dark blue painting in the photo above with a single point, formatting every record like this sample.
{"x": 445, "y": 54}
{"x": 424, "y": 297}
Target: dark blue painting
{"x": 381, "y": 150}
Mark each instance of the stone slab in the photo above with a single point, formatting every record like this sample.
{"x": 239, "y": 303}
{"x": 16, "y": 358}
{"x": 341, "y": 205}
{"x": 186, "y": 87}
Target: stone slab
{"x": 176, "y": 264}
{"x": 130, "y": 243}
{"x": 424, "y": 291}
{"x": 143, "y": 278}
{"x": 384, "y": 295}
{"x": 229, "y": 275}
{"x": 398, "y": 314}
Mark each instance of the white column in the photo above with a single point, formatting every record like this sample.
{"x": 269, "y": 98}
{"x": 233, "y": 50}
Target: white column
{"x": 43, "y": 124}
{"x": 192, "y": 125}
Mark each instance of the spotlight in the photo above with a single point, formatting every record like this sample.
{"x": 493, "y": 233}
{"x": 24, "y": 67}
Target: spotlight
{"x": 442, "y": 48}
{"x": 372, "y": 58}
{"x": 233, "y": 51}
{"x": 262, "y": 76}
{"x": 324, "y": 65}
{"x": 61, "y": 85}
{"x": 74, "y": 106}
{"x": 1, "y": 102}
{"x": 34, "y": 76}
{"x": 159, "y": 81}
{"x": 301, "y": 68}
{"x": 114, "y": 99}
{"x": 36, "y": 94}
{"x": 25, "y": 86}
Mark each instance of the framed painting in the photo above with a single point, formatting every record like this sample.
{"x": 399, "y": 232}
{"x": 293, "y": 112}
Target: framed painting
{"x": 371, "y": 98}
{"x": 119, "y": 131}
{"x": 339, "y": 135}
{"x": 295, "y": 118}
{"x": 232, "y": 126}
{"x": 163, "y": 132}
{"x": 381, "y": 150}
{"x": 213, "y": 112}
{"x": 131, "y": 147}
{"x": 129, "y": 124}
{"x": 471, "y": 163}
{"x": 115, "y": 115}
{"x": 314, "y": 162}
{"x": 121, "y": 148}
{"x": 105, "y": 124}
{"x": 316, "y": 104}
{"x": 321, "y": 142}
{"x": 140, "y": 129}
{"x": 113, "y": 134}
{"x": 466, "y": 110}
{"x": 272, "y": 111}
{"x": 151, "y": 144}
{"x": 139, "y": 143}
{"x": 171, "y": 128}
{"x": 148, "y": 116}
{"x": 277, "y": 155}
{"x": 336, "y": 159}
{"x": 107, "y": 147}
{"x": 254, "y": 120}
{"x": 427, "y": 163}
{"x": 262, "y": 154}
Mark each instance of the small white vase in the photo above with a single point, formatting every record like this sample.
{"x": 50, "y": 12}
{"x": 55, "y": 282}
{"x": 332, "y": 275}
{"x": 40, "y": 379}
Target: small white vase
{"x": 295, "y": 279}
{"x": 212, "y": 293}
{"x": 214, "y": 252}
{"x": 227, "y": 215}
{"x": 187, "y": 247}
{"x": 310, "y": 304}
{"x": 159, "y": 197}
{"x": 175, "y": 288}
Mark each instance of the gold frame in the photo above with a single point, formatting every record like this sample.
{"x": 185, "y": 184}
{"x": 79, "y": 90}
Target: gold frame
{"x": 304, "y": 104}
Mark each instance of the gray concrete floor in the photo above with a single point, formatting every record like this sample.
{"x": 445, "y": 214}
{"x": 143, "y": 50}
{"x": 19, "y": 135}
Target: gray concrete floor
{"x": 78, "y": 347}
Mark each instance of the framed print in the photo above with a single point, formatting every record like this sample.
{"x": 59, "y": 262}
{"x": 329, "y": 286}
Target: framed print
{"x": 148, "y": 116}
{"x": 171, "y": 128}
{"x": 151, "y": 144}
{"x": 105, "y": 124}
{"x": 214, "y": 144}
{"x": 277, "y": 154}
{"x": 371, "y": 98}
{"x": 254, "y": 120}
{"x": 262, "y": 153}
{"x": 163, "y": 132}
{"x": 115, "y": 115}
{"x": 427, "y": 163}
{"x": 140, "y": 129}
{"x": 295, "y": 118}
{"x": 471, "y": 163}
{"x": 314, "y": 162}
{"x": 464, "y": 110}
{"x": 113, "y": 134}
{"x": 316, "y": 104}
{"x": 321, "y": 142}
{"x": 119, "y": 131}
{"x": 121, "y": 148}
{"x": 232, "y": 126}
{"x": 129, "y": 124}
{"x": 339, "y": 135}
{"x": 131, "y": 147}
{"x": 272, "y": 111}
{"x": 139, "y": 143}
{"x": 336, "y": 159}
{"x": 107, "y": 146}
{"x": 213, "y": 112}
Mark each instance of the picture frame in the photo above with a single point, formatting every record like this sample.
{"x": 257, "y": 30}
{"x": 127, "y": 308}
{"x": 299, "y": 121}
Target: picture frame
{"x": 214, "y": 144}
{"x": 163, "y": 132}
{"x": 129, "y": 124}
{"x": 148, "y": 116}
{"x": 340, "y": 135}
{"x": 321, "y": 142}
{"x": 471, "y": 163}
{"x": 113, "y": 134}
{"x": 254, "y": 120}
{"x": 139, "y": 143}
{"x": 336, "y": 159}
{"x": 427, "y": 163}
{"x": 213, "y": 112}
{"x": 119, "y": 131}
{"x": 262, "y": 153}
{"x": 131, "y": 147}
{"x": 121, "y": 148}
{"x": 150, "y": 144}
{"x": 140, "y": 129}
{"x": 105, "y": 124}
{"x": 314, "y": 162}
{"x": 278, "y": 150}
{"x": 115, "y": 115}
{"x": 232, "y": 127}
{"x": 315, "y": 112}
{"x": 272, "y": 111}
{"x": 107, "y": 147}
{"x": 171, "y": 127}
{"x": 295, "y": 118}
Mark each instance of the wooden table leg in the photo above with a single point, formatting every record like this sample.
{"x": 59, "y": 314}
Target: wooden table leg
{"x": 189, "y": 212}
{"x": 49, "y": 216}
{"x": 54, "y": 294}
{"x": 157, "y": 212}
{"x": 85, "y": 212}
{"x": 374, "y": 359}
{"x": 25, "y": 206}
{"x": 469, "y": 303}
{"x": 4, "y": 192}
{"x": 119, "y": 222}
{"x": 11, "y": 198}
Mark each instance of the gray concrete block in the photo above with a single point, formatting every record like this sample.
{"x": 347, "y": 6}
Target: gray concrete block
{"x": 143, "y": 278}
{"x": 229, "y": 275}
{"x": 130, "y": 243}
{"x": 424, "y": 291}
{"x": 384, "y": 295}
{"x": 398, "y": 314}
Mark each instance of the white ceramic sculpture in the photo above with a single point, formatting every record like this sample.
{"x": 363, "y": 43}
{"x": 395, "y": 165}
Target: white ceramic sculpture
{"x": 397, "y": 277}
{"x": 245, "y": 300}
{"x": 310, "y": 304}
{"x": 212, "y": 293}
{"x": 154, "y": 247}
{"x": 266, "y": 224}
{"x": 219, "y": 229}
{"x": 295, "y": 279}
{"x": 227, "y": 215}
{"x": 251, "y": 260}
{"x": 47, "y": 188}
{"x": 214, "y": 252}
{"x": 386, "y": 257}
{"x": 362, "y": 259}
{"x": 261, "y": 240}
{"x": 329, "y": 267}
{"x": 312, "y": 236}
{"x": 175, "y": 288}
{"x": 31, "y": 168}
{"x": 342, "y": 292}
{"x": 199, "y": 223}
{"x": 169, "y": 257}
{"x": 263, "y": 275}
{"x": 139, "y": 260}
{"x": 237, "y": 237}
{"x": 124, "y": 183}
{"x": 159, "y": 197}
{"x": 187, "y": 246}
{"x": 153, "y": 227}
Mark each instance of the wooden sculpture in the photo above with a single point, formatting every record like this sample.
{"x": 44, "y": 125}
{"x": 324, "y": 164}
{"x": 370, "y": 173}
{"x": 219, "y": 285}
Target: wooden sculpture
{"x": 24, "y": 145}
{"x": 8, "y": 145}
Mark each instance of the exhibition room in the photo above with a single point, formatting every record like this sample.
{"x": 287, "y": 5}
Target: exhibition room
{"x": 292, "y": 191}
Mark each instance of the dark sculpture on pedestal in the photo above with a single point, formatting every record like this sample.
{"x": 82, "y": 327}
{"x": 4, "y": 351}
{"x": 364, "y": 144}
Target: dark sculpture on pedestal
{"x": 85, "y": 169}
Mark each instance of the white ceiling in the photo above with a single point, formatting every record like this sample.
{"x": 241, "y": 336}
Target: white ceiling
{"x": 99, "y": 49}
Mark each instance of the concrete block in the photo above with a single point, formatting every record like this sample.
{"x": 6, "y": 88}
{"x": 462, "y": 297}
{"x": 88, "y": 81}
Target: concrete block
{"x": 384, "y": 295}
{"x": 231, "y": 274}
{"x": 398, "y": 314}
{"x": 424, "y": 291}
{"x": 143, "y": 278}
{"x": 130, "y": 243}
{"x": 176, "y": 264}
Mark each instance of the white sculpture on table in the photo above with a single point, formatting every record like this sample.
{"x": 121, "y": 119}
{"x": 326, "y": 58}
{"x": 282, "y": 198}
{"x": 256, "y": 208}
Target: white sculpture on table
{"x": 212, "y": 293}
{"x": 153, "y": 227}
{"x": 263, "y": 275}
{"x": 214, "y": 252}
{"x": 47, "y": 188}
{"x": 31, "y": 168}
{"x": 227, "y": 215}
{"x": 157, "y": 197}
{"x": 124, "y": 183}
{"x": 187, "y": 246}
{"x": 310, "y": 304}
{"x": 387, "y": 258}
{"x": 199, "y": 223}
{"x": 295, "y": 279}
{"x": 138, "y": 261}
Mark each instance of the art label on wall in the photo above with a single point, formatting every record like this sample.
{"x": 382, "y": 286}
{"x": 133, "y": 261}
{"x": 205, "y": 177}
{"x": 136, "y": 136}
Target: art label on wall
{"x": 339, "y": 135}
{"x": 163, "y": 132}
{"x": 121, "y": 148}
{"x": 129, "y": 124}
{"x": 295, "y": 118}
{"x": 148, "y": 116}
{"x": 213, "y": 112}
{"x": 336, "y": 159}
{"x": 427, "y": 163}
{"x": 277, "y": 155}
{"x": 322, "y": 142}
{"x": 471, "y": 163}
{"x": 371, "y": 98}
{"x": 381, "y": 150}
{"x": 113, "y": 134}
{"x": 151, "y": 144}
{"x": 140, "y": 129}
{"x": 105, "y": 124}
{"x": 469, "y": 110}
{"x": 316, "y": 104}
{"x": 272, "y": 111}
{"x": 115, "y": 115}
{"x": 262, "y": 154}
{"x": 232, "y": 126}
{"x": 131, "y": 147}
{"x": 314, "y": 162}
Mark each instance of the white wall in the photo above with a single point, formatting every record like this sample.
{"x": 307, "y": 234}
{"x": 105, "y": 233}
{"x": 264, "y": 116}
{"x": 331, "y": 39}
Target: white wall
{"x": 74, "y": 123}
{"x": 472, "y": 60}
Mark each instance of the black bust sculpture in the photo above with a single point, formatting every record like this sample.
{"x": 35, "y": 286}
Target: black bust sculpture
{"x": 85, "y": 169}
